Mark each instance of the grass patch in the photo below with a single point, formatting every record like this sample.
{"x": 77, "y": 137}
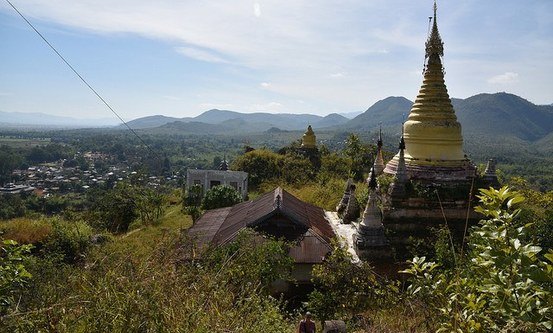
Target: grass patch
{"x": 142, "y": 241}
{"x": 23, "y": 143}
{"x": 25, "y": 230}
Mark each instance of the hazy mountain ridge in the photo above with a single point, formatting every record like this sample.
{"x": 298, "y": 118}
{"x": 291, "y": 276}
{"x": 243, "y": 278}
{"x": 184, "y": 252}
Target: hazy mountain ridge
{"x": 258, "y": 121}
{"x": 489, "y": 115}
{"x": 38, "y": 119}
{"x": 152, "y": 121}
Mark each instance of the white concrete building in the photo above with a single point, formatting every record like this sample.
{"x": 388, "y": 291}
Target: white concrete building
{"x": 210, "y": 178}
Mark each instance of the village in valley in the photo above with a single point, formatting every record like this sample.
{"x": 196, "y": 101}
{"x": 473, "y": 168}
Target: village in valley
{"x": 197, "y": 227}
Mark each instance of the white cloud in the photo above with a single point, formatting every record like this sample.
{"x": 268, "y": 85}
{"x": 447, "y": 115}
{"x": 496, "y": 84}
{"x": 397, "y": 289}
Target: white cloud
{"x": 291, "y": 35}
{"x": 505, "y": 78}
{"x": 256, "y": 9}
{"x": 338, "y": 75}
{"x": 371, "y": 48}
{"x": 198, "y": 54}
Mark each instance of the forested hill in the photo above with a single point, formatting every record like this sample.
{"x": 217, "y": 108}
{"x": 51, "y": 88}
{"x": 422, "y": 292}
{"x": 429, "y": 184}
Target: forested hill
{"x": 489, "y": 115}
{"x": 258, "y": 121}
{"x": 389, "y": 112}
{"x": 504, "y": 114}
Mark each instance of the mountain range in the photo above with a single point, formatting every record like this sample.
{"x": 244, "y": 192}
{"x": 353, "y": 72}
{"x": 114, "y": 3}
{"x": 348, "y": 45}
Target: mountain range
{"x": 491, "y": 115}
{"x": 232, "y": 120}
{"x": 488, "y": 115}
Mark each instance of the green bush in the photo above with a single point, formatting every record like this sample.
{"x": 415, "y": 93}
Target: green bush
{"x": 344, "y": 289}
{"x": 503, "y": 285}
{"x": 69, "y": 240}
{"x": 13, "y": 273}
{"x": 116, "y": 209}
{"x": 261, "y": 165}
{"x": 220, "y": 196}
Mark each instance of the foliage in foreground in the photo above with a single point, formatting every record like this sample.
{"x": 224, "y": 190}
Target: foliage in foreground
{"x": 13, "y": 273}
{"x": 503, "y": 284}
{"x": 344, "y": 288}
{"x": 118, "y": 292}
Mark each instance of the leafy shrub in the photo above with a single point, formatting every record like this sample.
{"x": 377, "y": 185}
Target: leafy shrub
{"x": 261, "y": 165}
{"x": 221, "y": 196}
{"x": 194, "y": 212}
{"x": 344, "y": 289}
{"x": 192, "y": 196}
{"x": 70, "y": 240}
{"x": 13, "y": 273}
{"x": 504, "y": 285}
{"x": 253, "y": 258}
{"x": 116, "y": 209}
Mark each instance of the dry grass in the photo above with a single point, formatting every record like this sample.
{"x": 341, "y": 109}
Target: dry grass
{"x": 25, "y": 230}
{"x": 402, "y": 318}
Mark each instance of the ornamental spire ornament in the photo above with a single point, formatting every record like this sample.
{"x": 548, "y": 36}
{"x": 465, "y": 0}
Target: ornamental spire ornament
{"x": 434, "y": 44}
{"x": 378, "y": 164}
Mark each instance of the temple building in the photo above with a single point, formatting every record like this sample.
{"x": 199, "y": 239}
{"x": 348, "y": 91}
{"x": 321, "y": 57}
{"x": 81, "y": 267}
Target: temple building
{"x": 433, "y": 140}
{"x": 432, "y": 180}
{"x": 309, "y": 149}
{"x": 309, "y": 140}
{"x": 278, "y": 214}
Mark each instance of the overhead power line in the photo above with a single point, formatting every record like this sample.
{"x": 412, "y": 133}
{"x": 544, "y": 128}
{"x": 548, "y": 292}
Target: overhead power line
{"x": 82, "y": 79}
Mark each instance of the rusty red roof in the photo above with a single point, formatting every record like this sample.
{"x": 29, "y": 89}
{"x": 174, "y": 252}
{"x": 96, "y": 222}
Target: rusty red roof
{"x": 220, "y": 226}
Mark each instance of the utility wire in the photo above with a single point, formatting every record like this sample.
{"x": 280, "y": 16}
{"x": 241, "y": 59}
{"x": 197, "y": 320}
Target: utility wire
{"x": 83, "y": 79}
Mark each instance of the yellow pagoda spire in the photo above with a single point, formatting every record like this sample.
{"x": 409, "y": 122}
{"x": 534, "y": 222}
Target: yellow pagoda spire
{"x": 434, "y": 144}
{"x": 309, "y": 140}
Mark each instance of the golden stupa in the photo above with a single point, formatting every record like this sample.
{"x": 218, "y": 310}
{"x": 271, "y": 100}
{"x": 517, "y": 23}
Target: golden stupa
{"x": 309, "y": 140}
{"x": 433, "y": 140}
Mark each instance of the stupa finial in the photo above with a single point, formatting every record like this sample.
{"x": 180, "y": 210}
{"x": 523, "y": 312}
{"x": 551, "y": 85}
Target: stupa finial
{"x": 402, "y": 140}
{"x": 434, "y": 44}
{"x": 379, "y": 143}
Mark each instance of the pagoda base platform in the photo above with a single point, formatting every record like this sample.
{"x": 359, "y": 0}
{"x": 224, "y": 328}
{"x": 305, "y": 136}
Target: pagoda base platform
{"x": 438, "y": 171}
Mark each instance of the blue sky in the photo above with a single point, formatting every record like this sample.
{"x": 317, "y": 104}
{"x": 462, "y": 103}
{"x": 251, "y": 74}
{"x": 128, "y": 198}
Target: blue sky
{"x": 180, "y": 58}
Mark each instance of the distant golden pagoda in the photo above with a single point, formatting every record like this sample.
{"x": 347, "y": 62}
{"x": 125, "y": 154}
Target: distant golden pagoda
{"x": 309, "y": 140}
{"x": 433, "y": 140}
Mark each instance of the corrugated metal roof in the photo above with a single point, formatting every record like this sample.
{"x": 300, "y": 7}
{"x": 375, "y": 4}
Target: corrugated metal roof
{"x": 220, "y": 226}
